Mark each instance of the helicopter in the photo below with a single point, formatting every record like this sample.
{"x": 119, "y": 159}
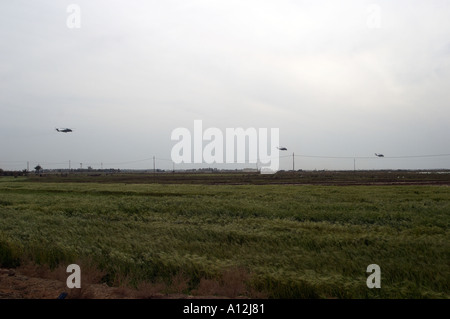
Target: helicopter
{"x": 379, "y": 155}
{"x": 64, "y": 130}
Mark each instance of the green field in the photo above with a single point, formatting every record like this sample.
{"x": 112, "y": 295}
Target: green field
{"x": 287, "y": 241}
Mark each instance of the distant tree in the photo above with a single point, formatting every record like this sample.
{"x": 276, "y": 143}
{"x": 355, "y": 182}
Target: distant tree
{"x": 1, "y": 171}
{"x": 38, "y": 169}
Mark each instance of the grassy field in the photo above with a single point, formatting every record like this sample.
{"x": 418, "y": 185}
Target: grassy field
{"x": 282, "y": 241}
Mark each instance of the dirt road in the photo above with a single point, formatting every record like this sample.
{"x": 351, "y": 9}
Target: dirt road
{"x": 27, "y": 283}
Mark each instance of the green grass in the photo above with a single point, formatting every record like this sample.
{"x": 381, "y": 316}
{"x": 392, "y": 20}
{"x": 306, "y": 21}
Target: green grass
{"x": 295, "y": 241}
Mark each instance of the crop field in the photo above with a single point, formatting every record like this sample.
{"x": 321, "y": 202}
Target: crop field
{"x": 263, "y": 240}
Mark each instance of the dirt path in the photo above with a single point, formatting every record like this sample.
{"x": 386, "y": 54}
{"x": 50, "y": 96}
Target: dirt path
{"x": 14, "y": 284}
{"x": 17, "y": 284}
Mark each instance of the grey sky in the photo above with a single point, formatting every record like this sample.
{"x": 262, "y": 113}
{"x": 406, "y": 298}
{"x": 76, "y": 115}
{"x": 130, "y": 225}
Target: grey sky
{"x": 334, "y": 83}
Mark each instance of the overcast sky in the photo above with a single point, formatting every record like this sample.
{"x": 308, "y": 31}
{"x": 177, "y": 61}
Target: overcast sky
{"x": 338, "y": 78}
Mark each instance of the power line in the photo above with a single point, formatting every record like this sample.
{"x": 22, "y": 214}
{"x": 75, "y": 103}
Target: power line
{"x": 349, "y": 157}
{"x": 418, "y": 156}
{"x": 320, "y": 156}
{"x": 130, "y": 162}
{"x": 153, "y": 158}
{"x": 163, "y": 159}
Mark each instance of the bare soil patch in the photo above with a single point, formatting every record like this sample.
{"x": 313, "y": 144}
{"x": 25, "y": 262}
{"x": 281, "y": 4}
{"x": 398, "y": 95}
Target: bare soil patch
{"x": 32, "y": 282}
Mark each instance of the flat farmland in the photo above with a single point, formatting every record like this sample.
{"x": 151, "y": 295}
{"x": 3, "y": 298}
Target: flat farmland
{"x": 264, "y": 240}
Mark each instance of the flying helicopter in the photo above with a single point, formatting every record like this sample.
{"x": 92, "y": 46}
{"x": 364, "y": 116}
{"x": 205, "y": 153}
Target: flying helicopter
{"x": 64, "y": 130}
{"x": 282, "y": 148}
{"x": 379, "y": 155}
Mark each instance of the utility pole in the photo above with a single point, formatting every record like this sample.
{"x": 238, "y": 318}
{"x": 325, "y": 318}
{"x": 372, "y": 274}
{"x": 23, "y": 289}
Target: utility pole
{"x": 293, "y": 163}
{"x": 354, "y": 164}
{"x": 154, "y": 165}
{"x": 28, "y": 166}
